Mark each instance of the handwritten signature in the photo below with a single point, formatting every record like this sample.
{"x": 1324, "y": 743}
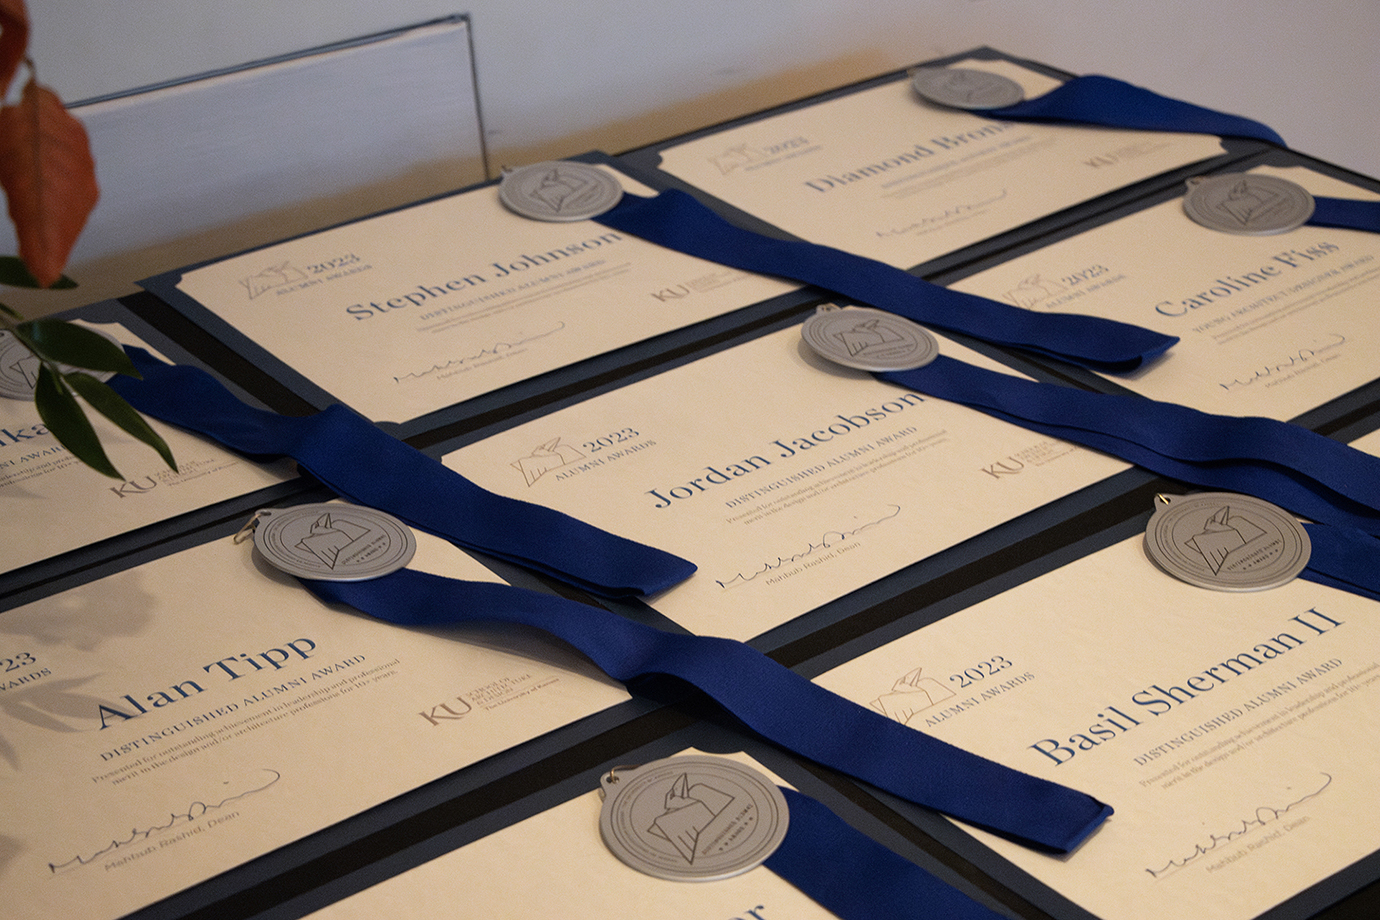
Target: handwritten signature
{"x": 193, "y": 812}
{"x": 491, "y": 351}
{"x": 952, "y": 212}
{"x": 1300, "y": 357}
{"x": 829, "y": 540}
{"x": 1262, "y": 816}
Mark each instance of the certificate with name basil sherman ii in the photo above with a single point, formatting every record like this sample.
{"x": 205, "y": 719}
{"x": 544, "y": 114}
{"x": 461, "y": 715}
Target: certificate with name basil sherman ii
{"x": 789, "y": 482}
{"x": 415, "y": 310}
{"x": 1230, "y": 731}
{"x": 168, "y": 723}
{"x": 1268, "y": 325}
{"x": 882, "y": 174}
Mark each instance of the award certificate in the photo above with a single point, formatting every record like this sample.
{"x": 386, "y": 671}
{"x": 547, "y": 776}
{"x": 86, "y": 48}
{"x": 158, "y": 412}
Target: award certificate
{"x": 1230, "y": 731}
{"x": 554, "y": 865}
{"x": 54, "y": 503}
{"x": 1268, "y": 325}
{"x": 883, "y": 174}
{"x": 173, "y": 721}
{"x": 415, "y": 310}
{"x": 788, "y": 481}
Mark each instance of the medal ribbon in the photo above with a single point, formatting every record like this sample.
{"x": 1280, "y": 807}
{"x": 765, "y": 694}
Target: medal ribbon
{"x": 365, "y": 465}
{"x": 1343, "y": 558}
{"x": 678, "y": 221}
{"x": 857, "y": 878}
{"x": 1347, "y": 213}
{"x": 767, "y": 698}
{"x": 1314, "y": 476}
{"x": 1098, "y": 100}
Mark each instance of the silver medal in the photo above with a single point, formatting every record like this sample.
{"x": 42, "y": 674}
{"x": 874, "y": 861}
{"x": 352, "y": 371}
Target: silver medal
{"x": 559, "y": 190}
{"x": 692, "y": 818}
{"x": 966, "y": 88}
{"x": 869, "y": 340}
{"x": 1226, "y": 541}
{"x": 1248, "y": 204}
{"x": 19, "y": 367}
{"x": 333, "y": 542}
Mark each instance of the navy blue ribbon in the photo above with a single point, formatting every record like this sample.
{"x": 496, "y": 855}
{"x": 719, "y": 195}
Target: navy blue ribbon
{"x": 857, "y": 878}
{"x": 678, "y": 221}
{"x": 361, "y": 463}
{"x": 1343, "y": 558}
{"x": 767, "y": 698}
{"x": 1098, "y": 100}
{"x": 1346, "y": 213}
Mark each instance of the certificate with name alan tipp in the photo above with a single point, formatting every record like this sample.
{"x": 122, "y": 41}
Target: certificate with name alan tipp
{"x": 880, "y": 173}
{"x": 178, "y": 719}
{"x": 415, "y": 310}
{"x": 788, "y": 481}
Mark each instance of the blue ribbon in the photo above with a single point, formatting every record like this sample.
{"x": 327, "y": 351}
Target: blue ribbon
{"x": 1347, "y": 213}
{"x": 1098, "y": 100}
{"x": 857, "y": 878}
{"x": 767, "y": 698}
{"x": 1343, "y": 558}
{"x": 361, "y": 463}
{"x": 678, "y": 221}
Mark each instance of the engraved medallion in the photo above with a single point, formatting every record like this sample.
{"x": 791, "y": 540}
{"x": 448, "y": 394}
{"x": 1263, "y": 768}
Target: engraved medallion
{"x": 19, "y": 367}
{"x": 333, "y": 542}
{"x": 559, "y": 190}
{"x": 692, "y": 818}
{"x": 1226, "y": 541}
{"x": 1248, "y": 204}
{"x": 966, "y": 88}
{"x": 869, "y": 340}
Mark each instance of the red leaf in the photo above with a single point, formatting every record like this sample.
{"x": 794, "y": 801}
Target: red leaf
{"x": 49, "y": 177}
{"x": 14, "y": 39}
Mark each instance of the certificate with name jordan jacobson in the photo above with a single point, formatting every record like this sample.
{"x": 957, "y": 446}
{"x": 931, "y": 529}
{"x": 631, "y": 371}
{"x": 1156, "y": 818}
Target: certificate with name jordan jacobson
{"x": 54, "y": 503}
{"x": 1268, "y": 325}
{"x": 412, "y": 311}
{"x": 880, "y": 173}
{"x": 1231, "y": 732}
{"x": 554, "y": 864}
{"x": 788, "y": 481}
{"x": 166, "y": 724}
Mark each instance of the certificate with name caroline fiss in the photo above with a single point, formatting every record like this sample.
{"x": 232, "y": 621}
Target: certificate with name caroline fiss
{"x": 881, "y": 173}
{"x": 412, "y": 311}
{"x": 166, "y": 724}
{"x": 788, "y": 481}
{"x": 1268, "y": 325}
{"x": 1231, "y": 732}
{"x": 554, "y": 864}
{"x": 54, "y": 503}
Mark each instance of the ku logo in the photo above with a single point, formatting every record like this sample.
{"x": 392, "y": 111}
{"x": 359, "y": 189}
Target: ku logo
{"x": 911, "y": 695}
{"x": 275, "y": 276}
{"x": 1223, "y": 534}
{"x": 735, "y": 158}
{"x": 1033, "y": 290}
{"x": 330, "y": 538}
{"x": 544, "y": 458}
{"x": 689, "y": 811}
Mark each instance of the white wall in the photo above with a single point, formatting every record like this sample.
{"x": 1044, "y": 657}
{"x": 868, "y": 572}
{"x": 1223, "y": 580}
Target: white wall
{"x": 562, "y": 77}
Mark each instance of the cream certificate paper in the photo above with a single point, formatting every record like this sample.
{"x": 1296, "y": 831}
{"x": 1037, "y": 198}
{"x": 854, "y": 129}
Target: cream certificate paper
{"x": 1232, "y": 733}
{"x": 789, "y": 482}
{"x": 882, "y": 174}
{"x": 416, "y": 310}
{"x": 169, "y": 723}
{"x": 1268, "y": 325}
{"x": 554, "y": 864}
{"x": 55, "y": 504}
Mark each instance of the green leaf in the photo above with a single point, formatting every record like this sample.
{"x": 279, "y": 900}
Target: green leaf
{"x": 113, "y": 406}
{"x": 15, "y": 273}
{"x": 76, "y": 346}
{"x": 64, "y": 418}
